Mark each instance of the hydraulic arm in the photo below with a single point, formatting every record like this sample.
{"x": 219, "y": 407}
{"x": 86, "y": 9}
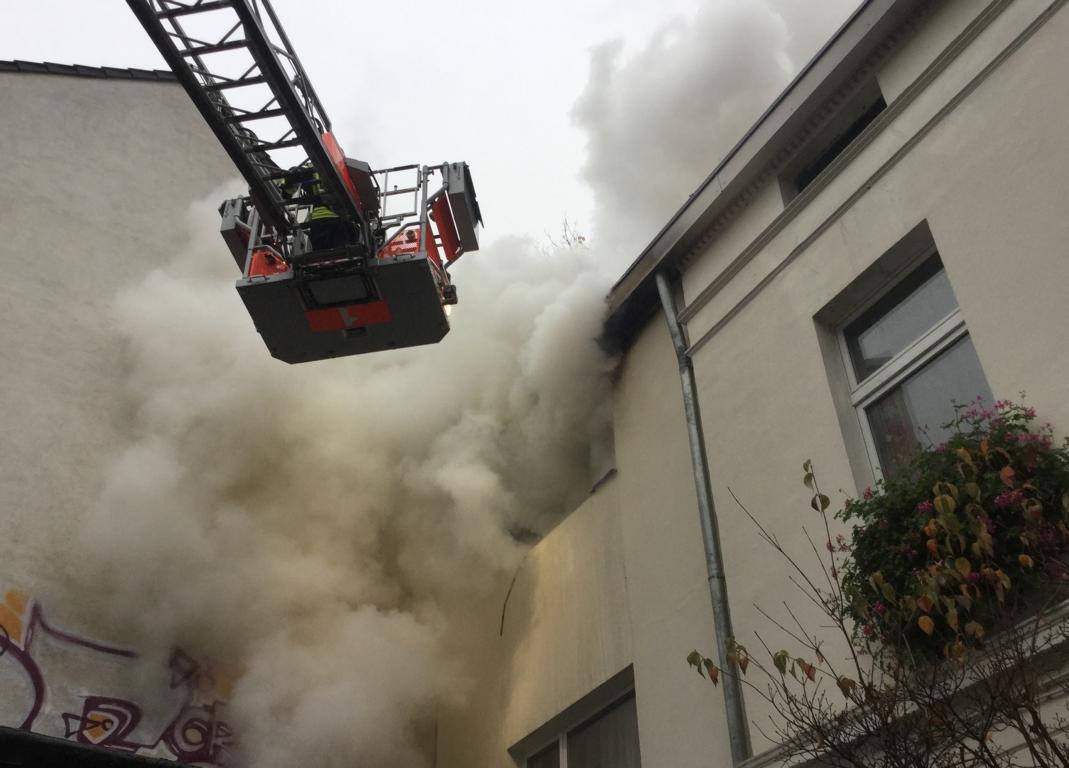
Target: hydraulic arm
{"x": 381, "y": 280}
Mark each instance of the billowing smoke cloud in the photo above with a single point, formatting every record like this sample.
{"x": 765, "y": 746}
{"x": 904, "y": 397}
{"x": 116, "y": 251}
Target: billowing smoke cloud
{"x": 660, "y": 120}
{"x": 325, "y": 530}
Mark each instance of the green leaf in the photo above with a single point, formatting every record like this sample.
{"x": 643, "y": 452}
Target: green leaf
{"x": 820, "y": 502}
{"x": 888, "y": 591}
{"x": 695, "y": 659}
{"x": 950, "y": 522}
{"x": 945, "y": 489}
{"x": 964, "y": 567}
{"x": 944, "y": 505}
{"x": 973, "y": 490}
{"x": 780, "y": 659}
{"x": 809, "y": 480}
{"x": 807, "y": 466}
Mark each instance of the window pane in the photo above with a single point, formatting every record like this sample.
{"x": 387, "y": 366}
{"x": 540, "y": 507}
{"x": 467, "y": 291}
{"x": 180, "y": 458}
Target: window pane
{"x": 925, "y": 399}
{"x": 900, "y": 318}
{"x": 547, "y": 758}
{"x": 608, "y": 741}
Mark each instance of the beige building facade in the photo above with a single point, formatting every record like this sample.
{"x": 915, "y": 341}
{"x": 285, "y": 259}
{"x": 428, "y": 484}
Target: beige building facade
{"x": 890, "y": 235}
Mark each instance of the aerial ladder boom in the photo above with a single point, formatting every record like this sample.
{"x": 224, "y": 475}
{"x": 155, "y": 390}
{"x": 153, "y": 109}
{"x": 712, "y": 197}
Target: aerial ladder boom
{"x": 382, "y": 281}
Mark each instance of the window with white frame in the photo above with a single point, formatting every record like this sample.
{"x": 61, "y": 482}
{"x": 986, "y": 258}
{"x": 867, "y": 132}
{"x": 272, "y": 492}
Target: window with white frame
{"x": 609, "y": 739}
{"x": 909, "y": 358}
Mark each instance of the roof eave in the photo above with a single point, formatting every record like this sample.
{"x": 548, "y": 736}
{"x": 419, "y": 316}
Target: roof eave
{"x": 633, "y": 298}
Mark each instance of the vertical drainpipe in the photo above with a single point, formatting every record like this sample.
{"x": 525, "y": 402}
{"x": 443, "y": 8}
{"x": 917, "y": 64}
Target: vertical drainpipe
{"x": 734, "y": 704}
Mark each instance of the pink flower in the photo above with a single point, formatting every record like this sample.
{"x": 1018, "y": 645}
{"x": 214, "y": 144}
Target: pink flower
{"x": 925, "y": 507}
{"x": 868, "y": 630}
{"x": 941, "y": 448}
{"x": 879, "y": 608}
{"x": 868, "y": 494}
{"x": 1004, "y": 500}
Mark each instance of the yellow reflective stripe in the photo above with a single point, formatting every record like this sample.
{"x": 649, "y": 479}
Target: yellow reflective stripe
{"x": 321, "y": 212}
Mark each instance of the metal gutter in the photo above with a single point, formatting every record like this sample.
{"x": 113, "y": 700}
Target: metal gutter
{"x": 734, "y": 703}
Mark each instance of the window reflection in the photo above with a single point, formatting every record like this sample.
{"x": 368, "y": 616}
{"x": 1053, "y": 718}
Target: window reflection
{"x": 925, "y": 400}
{"x": 894, "y": 322}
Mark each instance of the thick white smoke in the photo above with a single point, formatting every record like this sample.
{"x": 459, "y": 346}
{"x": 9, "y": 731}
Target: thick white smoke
{"x": 325, "y": 530}
{"x": 321, "y": 528}
{"x": 659, "y": 121}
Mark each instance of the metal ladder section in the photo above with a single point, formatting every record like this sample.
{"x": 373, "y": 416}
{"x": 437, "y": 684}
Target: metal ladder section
{"x": 239, "y": 68}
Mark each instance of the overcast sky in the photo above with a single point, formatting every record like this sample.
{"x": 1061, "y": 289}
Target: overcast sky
{"x": 487, "y": 81}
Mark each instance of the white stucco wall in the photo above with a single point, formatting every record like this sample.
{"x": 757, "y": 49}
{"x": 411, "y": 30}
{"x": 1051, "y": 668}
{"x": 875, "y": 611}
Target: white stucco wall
{"x": 96, "y": 182}
{"x": 98, "y": 175}
{"x": 987, "y": 175}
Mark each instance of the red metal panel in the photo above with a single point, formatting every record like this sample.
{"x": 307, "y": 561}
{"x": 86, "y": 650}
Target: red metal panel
{"x": 265, "y": 263}
{"x": 447, "y": 229}
{"x": 370, "y": 313}
{"x": 405, "y": 242}
{"x": 320, "y": 320}
{"x": 338, "y": 158}
{"x": 351, "y": 316}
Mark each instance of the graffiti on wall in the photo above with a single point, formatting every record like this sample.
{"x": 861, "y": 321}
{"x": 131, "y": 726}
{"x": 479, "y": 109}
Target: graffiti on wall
{"x": 58, "y": 683}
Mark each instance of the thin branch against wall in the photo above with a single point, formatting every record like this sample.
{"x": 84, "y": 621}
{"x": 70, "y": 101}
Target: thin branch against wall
{"x": 508, "y": 594}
